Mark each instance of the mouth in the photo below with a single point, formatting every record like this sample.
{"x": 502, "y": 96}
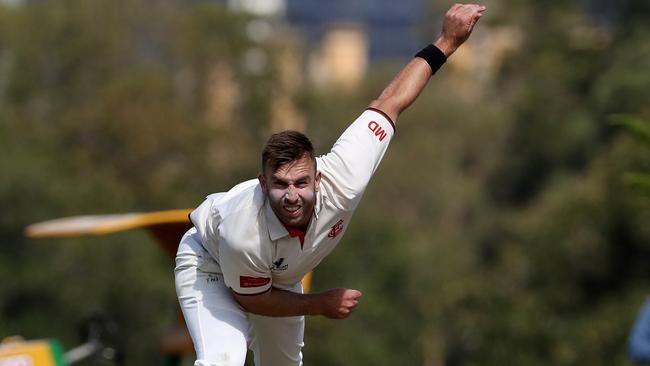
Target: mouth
{"x": 292, "y": 210}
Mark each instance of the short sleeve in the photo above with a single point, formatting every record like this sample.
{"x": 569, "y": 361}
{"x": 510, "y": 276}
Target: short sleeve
{"x": 206, "y": 220}
{"x": 226, "y": 225}
{"x": 354, "y": 158}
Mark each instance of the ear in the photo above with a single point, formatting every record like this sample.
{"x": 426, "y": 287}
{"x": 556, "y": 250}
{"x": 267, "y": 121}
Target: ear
{"x": 262, "y": 180}
{"x": 317, "y": 181}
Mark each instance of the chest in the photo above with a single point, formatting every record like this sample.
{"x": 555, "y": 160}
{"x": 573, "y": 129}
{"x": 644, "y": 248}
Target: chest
{"x": 291, "y": 257}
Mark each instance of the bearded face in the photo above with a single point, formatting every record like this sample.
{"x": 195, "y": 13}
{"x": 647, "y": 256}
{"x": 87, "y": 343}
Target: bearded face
{"x": 291, "y": 191}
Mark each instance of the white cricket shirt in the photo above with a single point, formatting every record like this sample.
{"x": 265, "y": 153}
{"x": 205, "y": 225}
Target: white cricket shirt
{"x": 254, "y": 250}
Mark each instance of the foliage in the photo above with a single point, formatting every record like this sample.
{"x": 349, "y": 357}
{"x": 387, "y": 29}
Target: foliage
{"x": 102, "y": 112}
{"x": 641, "y": 131}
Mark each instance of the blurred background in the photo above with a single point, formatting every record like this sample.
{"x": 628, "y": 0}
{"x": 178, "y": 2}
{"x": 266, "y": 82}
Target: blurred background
{"x": 509, "y": 223}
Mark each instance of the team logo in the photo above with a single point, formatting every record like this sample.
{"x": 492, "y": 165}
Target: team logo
{"x": 278, "y": 266}
{"x": 336, "y": 229}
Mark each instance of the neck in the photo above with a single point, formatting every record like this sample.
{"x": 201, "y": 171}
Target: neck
{"x": 302, "y": 228}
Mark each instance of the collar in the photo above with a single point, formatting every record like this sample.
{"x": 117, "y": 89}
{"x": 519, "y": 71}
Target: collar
{"x": 319, "y": 201}
{"x": 296, "y": 233}
{"x": 275, "y": 227}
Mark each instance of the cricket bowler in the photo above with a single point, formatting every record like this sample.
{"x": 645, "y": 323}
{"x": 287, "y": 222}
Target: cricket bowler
{"x": 238, "y": 270}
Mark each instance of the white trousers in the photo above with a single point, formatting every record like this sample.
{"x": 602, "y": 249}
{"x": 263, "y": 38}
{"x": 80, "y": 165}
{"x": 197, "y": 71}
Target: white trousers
{"x": 220, "y": 328}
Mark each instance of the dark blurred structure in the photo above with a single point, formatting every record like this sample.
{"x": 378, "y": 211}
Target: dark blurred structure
{"x": 391, "y": 26}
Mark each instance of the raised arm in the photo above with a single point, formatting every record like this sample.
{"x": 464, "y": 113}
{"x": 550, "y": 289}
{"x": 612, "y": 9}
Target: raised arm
{"x": 409, "y": 82}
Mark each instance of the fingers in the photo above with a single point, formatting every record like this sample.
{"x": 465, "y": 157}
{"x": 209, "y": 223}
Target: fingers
{"x": 468, "y": 14}
{"x": 351, "y": 299}
{"x": 475, "y": 15}
{"x": 476, "y": 7}
{"x": 355, "y": 294}
{"x": 479, "y": 10}
{"x": 467, "y": 8}
{"x": 339, "y": 303}
{"x": 350, "y": 302}
{"x": 473, "y": 10}
{"x": 345, "y": 311}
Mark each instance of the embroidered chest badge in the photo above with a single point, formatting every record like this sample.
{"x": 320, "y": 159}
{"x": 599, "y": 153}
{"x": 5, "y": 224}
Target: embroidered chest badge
{"x": 336, "y": 229}
{"x": 278, "y": 266}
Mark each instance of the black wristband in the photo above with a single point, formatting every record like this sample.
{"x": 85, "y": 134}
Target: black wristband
{"x": 433, "y": 56}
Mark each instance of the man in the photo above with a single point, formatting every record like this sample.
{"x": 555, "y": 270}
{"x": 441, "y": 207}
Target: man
{"x": 238, "y": 270}
{"x": 639, "y": 340}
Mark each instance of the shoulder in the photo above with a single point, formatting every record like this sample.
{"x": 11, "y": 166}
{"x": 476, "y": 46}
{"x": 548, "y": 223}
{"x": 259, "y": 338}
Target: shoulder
{"x": 219, "y": 206}
{"x": 242, "y": 197}
{"x": 347, "y": 169}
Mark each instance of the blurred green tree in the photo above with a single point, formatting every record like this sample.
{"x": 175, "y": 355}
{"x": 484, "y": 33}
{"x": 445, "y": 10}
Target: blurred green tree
{"x": 104, "y": 109}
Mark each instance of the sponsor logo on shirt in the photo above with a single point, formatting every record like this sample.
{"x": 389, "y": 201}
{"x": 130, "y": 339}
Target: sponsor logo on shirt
{"x": 376, "y": 128}
{"x": 211, "y": 279}
{"x": 278, "y": 266}
{"x": 246, "y": 281}
{"x": 336, "y": 229}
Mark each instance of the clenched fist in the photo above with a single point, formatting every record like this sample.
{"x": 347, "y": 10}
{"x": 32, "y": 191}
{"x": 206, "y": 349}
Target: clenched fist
{"x": 458, "y": 25}
{"x": 338, "y": 303}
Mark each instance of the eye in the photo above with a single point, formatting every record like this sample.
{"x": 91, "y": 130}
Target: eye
{"x": 279, "y": 184}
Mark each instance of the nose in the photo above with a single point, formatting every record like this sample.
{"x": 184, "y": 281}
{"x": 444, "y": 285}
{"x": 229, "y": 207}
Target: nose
{"x": 291, "y": 196}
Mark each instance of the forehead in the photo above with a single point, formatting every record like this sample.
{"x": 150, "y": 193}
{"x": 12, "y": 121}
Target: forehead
{"x": 303, "y": 167}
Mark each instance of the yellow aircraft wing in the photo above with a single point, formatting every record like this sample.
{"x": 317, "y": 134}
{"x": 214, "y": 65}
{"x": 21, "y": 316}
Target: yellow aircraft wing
{"x": 105, "y": 224}
{"x": 166, "y": 226}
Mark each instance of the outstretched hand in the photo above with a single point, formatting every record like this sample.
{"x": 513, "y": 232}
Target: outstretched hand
{"x": 458, "y": 25}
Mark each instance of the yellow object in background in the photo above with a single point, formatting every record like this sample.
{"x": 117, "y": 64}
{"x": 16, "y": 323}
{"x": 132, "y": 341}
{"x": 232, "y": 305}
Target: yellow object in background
{"x": 16, "y": 352}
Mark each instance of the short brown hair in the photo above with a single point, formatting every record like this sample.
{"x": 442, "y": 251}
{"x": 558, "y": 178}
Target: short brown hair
{"x": 285, "y": 147}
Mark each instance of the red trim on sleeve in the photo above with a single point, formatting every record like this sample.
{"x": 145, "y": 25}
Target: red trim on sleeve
{"x": 247, "y": 281}
{"x": 385, "y": 116}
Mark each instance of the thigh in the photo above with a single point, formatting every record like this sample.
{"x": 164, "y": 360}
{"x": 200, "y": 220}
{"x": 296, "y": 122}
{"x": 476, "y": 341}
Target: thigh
{"x": 217, "y": 324}
{"x": 277, "y": 341}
